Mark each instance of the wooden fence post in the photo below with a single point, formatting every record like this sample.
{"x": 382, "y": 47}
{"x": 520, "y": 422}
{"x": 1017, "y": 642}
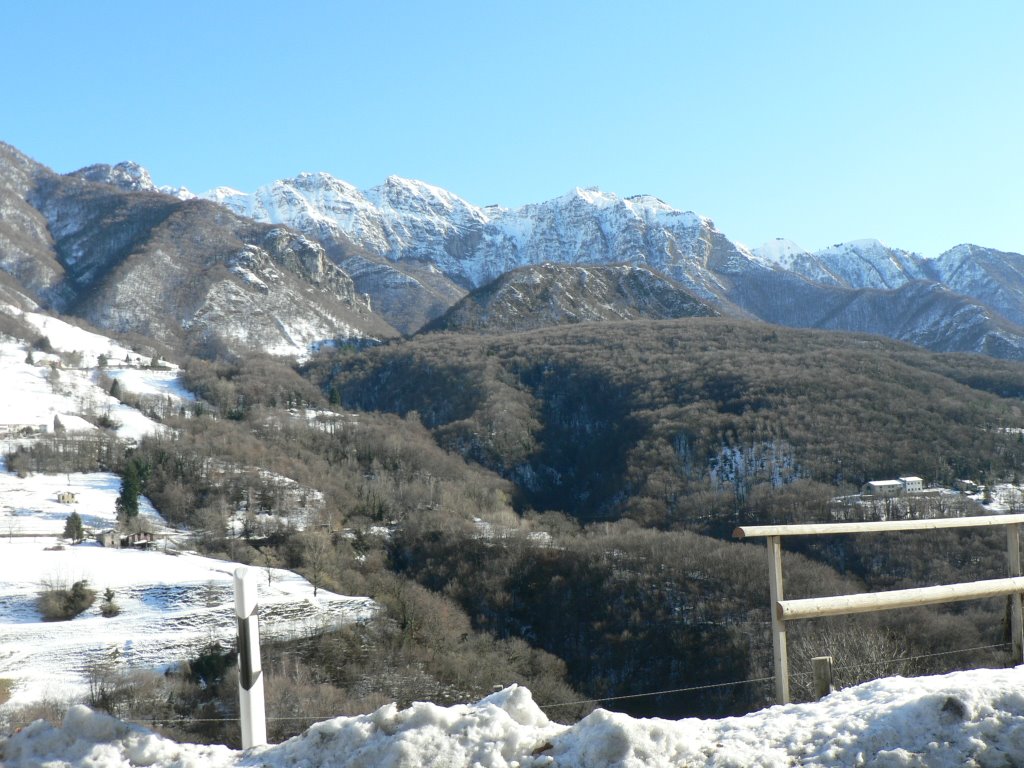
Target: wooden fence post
{"x": 792, "y": 610}
{"x": 251, "y": 707}
{"x": 822, "y": 667}
{"x": 1013, "y": 564}
{"x": 778, "y": 625}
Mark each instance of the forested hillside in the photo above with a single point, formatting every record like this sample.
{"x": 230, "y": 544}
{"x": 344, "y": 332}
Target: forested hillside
{"x": 689, "y": 423}
{"x": 559, "y": 294}
{"x": 679, "y": 430}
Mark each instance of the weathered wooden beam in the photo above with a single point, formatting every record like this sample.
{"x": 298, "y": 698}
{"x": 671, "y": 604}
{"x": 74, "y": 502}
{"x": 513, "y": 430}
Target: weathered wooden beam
{"x": 822, "y": 529}
{"x": 808, "y": 608}
{"x": 775, "y": 594}
{"x": 1013, "y": 570}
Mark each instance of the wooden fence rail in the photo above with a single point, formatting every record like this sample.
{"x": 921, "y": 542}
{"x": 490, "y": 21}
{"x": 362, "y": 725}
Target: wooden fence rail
{"x": 783, "y": 610}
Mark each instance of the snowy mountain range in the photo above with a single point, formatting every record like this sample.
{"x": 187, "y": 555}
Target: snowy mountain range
{"x": 312, "y": 260}
{"x": 404, "y": 240}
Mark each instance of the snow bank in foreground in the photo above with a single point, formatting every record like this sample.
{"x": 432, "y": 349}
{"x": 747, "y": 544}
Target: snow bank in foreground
{"x": 963, "y": 719}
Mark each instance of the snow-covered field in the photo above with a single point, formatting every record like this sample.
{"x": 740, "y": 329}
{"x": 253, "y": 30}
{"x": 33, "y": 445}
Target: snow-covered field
{"x": 70, "y": 338}
{"x": 156, "y": 382}
{"x": 171, "y": 607}
{"x": 34, "y": 393}
{"x": 173, "y": 603}
{"x": 29, "y": 506}
{"x": 971, "y": 719}
{"x": 1005, "y": 498}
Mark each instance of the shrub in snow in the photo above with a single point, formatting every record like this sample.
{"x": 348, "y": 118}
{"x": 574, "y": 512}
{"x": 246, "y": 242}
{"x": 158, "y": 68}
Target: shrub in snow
{"x": 57, "y": 603}
{"x": 109, "y": 608}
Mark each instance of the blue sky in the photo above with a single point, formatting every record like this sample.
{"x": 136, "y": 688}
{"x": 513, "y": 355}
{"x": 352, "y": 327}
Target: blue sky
{"x": 818, "y": 121}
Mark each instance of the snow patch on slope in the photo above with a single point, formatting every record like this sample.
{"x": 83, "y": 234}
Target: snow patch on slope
{"x": 780, "y": 251}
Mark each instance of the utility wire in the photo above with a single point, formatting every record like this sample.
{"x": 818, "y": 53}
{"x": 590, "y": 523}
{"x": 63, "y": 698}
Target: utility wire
{"x": 657, "y": 693}
{"x": 899, "y": 659}
{"x": 799, "y": 675}
{"x": 690, "y": 689}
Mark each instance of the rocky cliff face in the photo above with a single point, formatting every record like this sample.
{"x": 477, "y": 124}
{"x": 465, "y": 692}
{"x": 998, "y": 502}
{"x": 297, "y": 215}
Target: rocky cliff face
{"x": 26, "y": 246}
{"x": 101, "y": 243}
{"x": 391, "y": 239}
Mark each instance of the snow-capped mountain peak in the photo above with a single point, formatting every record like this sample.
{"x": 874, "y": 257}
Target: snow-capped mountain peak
{"x": 962, "y": 251}
{"x": 589, "y": 195}
{"x": 222, "y": 194}
{"x": 128, "y": 175}
{"x": 416, "y": 249}
{"x": 420, "y": 198}
{"x": 859, "y": 247}
{"x": 781, "y": 252}
{"x": 870, "y": 263}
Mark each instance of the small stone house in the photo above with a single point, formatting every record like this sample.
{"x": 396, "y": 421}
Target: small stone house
{"x": 117, "y": 540}
{"x": 139, "y": 540}
{"x": 67, "y": 497}
{"x": 967, "y": 486}
{"x": 111, "y": 539}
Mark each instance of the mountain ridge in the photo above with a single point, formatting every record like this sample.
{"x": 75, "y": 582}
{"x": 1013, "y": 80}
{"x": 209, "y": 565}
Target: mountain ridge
{"x": 553, "y": 294}
{"x": 402, "y": 254}
{"x": 402, "y": 224}
{"x": 105, "y": 244}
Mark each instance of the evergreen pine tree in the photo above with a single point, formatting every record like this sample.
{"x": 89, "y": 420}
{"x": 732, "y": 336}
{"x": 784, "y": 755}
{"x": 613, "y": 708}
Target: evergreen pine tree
{"x": 127, "y": 504}
{"x": 73, "y": 528}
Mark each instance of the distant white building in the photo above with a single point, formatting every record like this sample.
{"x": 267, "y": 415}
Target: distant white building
{"x": 893, "y": 487}
{"x": 882, "y": 488}
{"x": 912, "y": 484}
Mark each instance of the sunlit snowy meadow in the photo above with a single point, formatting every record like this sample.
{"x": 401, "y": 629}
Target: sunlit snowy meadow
{"x": 173, "y": 603}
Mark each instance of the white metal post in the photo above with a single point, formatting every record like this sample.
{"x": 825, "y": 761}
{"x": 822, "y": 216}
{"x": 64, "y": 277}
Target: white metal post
{"x": 1013, "y": 564}
{"x": 778, "y": 625}
{"x": 251, "y": 708}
